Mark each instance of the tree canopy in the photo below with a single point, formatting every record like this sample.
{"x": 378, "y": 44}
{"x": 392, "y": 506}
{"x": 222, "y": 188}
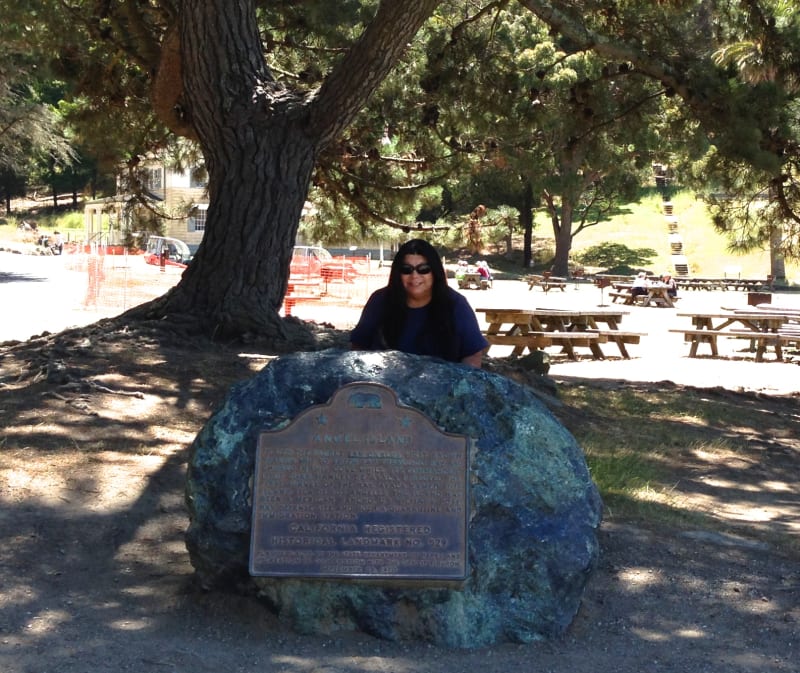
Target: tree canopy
{"x": 277, "y": 96}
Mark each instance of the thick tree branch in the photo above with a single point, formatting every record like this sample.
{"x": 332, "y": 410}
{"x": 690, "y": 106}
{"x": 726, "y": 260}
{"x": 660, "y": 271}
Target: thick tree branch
{"x": 355, "y": 78}
{"x": 166, "y": 92}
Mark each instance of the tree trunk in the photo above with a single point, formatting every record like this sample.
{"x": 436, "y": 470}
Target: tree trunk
{"x": 777, "y": 265}
{"x": 260, "y": 141}
{"x": 526, "y": 219}
{"x": 563, "y": 238}
{"x": 237, "y": 281}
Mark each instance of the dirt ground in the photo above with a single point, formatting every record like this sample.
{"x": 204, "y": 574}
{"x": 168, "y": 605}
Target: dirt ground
{"x": 94, "y": 575}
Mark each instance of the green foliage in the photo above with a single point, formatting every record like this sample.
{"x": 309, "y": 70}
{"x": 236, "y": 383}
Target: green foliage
{"x": 483, "y": 103}
{"x": 29, "y": 126}
{"x": 608, "y": 255}
{"x": 12, "y": 184}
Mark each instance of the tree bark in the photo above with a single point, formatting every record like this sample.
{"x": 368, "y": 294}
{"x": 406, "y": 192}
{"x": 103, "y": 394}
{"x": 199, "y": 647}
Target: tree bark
{"x": 260, "y": 141}
{"x": 526, "y": 219}
{"x": 777, "y": 264}
{"x": 563, "y": 238}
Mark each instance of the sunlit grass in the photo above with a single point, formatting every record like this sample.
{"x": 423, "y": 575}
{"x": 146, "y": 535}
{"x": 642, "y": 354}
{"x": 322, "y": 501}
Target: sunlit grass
{"x": 640, "y": 444}
{"x": 643, "y": 224}
{"x": 638, "y": 484}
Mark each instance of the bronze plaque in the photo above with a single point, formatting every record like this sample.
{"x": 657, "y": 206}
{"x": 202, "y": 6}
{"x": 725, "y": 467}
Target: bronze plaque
{"x": 361, "y": 487}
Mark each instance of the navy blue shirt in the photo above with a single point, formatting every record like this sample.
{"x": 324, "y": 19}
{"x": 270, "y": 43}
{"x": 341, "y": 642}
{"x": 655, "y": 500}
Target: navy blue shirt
{"x": 413, "y": 339}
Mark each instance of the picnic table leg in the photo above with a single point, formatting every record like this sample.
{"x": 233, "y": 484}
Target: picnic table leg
{"x": 518, "y": 350}
{"x": 712, "y": 340}
{"x": 621, "y": 345}
{"x": 597, "y": 352}
{"x": 612, "y": 325}
{"x": 761, "y": 346}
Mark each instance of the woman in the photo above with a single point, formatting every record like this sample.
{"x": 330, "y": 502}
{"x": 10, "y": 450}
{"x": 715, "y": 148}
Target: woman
{"x": 418, "y": 312}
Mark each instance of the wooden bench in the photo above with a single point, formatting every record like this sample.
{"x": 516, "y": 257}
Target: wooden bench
{"x": 539, "y": 340}
{"x": 698, "y": 336}
{"x": 628, "y": 298}
{"x": 700, "y": 283}
{"x": 761, "y": 340}
{"x": 620, "y": 338}
{"x": 748, "y": 284}
{"x": 764, "y": 339}
{"x": 790, "y": 330}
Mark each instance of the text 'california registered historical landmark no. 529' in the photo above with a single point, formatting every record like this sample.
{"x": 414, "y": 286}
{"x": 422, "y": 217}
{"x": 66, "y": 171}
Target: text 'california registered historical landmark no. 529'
{"x": 361, "y": 487}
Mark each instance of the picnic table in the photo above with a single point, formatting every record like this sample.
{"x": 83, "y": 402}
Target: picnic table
{"x": 657, "y": 295}
{"x": 699, "y": 283}
{"x": 761, "y": 327}
{"x": 749, "y": 284}
{"x": 611, "y": 278}
{"x": 536, "y": 329}
{"x": 726, "y": 283}
{"x": 546, "y": 282}
{"x": 469, "y": 279}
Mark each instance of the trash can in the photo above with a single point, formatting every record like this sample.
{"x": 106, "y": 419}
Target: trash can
{"x": 756, "y": 298}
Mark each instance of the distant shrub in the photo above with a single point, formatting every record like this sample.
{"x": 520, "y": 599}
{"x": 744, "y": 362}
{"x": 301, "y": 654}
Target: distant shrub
{"x": 608, "y": 255}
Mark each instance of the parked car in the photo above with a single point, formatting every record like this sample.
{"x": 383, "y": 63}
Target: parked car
{"x": 173, "y": 251}
{"x": 311, "y": 260}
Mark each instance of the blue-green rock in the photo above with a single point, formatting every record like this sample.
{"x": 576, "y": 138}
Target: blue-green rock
{"x": 535, "y": 510}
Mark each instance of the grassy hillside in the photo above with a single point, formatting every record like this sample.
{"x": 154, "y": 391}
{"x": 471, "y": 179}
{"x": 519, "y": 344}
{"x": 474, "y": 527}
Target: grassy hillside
{"x": 645, "y": 226}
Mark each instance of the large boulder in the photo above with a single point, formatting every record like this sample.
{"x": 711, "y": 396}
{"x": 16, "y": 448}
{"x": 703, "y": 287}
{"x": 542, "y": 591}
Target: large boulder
{"x": 535, "y": 511}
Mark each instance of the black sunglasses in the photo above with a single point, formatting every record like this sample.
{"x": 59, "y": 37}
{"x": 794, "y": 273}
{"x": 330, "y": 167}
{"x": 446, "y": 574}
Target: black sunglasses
{"x": 421, "y": 269}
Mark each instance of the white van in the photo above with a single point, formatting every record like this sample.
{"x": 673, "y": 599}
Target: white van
{"x": 174, "y": 251}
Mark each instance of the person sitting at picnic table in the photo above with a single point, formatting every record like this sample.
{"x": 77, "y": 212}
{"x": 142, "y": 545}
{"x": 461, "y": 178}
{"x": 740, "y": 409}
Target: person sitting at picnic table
{"x": 639, "y": 286}
{"x": 672, "y": 286}
{"x": 484, "y": 271}
{"x": 418, "y": 312}
{"x": 57, "y": 246}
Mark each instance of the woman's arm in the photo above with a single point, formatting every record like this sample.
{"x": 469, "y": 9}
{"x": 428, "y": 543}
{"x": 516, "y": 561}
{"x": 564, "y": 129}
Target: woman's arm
{"x": 363, "y": 335}
{"x": 475, "y": 360}
{"x": 469, "y": 333}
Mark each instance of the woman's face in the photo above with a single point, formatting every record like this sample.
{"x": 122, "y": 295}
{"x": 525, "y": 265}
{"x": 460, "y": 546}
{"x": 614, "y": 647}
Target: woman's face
{"x": 418, "y": 286}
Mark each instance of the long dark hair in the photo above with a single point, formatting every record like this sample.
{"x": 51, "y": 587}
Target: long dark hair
{"x": 440, "y": 310}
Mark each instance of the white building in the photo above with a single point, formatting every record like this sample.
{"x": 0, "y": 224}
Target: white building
{"x": 178, "y": 199}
